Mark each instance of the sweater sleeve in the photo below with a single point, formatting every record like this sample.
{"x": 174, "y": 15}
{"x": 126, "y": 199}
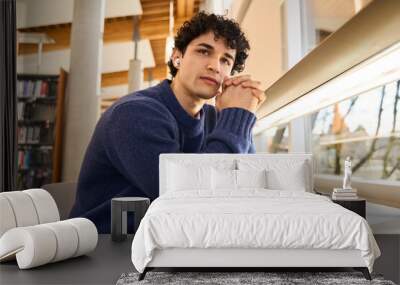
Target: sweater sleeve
{"x": 139, "y": 132}
{"x": 232, "y": 132}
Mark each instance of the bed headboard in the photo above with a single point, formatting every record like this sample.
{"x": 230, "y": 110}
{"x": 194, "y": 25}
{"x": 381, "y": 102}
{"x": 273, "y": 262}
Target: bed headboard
{"x": 194, "y": 158}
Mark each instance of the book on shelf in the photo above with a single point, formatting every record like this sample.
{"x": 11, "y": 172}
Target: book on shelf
{"x": 20, "y": 110}
{"x": 40, "y": 100}
{"x": 34, "y": 177}
{"x": 345, "y": 198}
{"x": 344, "y": 194}
{"x": 29, "y": 134}
{"x": 36, "y": 88}
{"x": 21, "y": 135}
{"x": 25, "y": 111}
{"x": 36, "y": 134}
{"x": 344, "y": 190}
{"x": 38, "y": 157}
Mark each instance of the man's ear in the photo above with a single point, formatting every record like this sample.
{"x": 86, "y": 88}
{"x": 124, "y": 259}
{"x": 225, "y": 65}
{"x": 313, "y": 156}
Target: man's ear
{"x": 176, "y": 57}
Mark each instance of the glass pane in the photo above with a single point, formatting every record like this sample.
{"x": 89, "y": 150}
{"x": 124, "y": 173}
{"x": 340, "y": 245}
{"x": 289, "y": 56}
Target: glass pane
{"x": 274, "y": 140}
{"x": 365, "y": 128}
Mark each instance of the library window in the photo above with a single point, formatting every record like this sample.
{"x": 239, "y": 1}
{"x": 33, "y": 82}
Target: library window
{"x": 366, "y": 128}
{"x": 273, "y": 140}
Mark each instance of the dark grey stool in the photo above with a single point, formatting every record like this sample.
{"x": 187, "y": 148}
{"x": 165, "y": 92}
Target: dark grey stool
{"x": 119, "y": 208}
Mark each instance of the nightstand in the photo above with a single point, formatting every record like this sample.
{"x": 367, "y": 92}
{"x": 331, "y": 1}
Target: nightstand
{"x": 119, "y": 208}
{"x": 357, "y": 205}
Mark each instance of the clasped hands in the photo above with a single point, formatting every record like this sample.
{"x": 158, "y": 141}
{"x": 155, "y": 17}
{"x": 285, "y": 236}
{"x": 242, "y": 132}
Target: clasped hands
{"x": 240, "y": 92}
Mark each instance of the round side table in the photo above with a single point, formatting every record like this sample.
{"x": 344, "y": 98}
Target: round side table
{"x": 119, "y": 208}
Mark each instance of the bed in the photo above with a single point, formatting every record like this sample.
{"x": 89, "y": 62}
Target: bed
{"x": 245, "y": 211}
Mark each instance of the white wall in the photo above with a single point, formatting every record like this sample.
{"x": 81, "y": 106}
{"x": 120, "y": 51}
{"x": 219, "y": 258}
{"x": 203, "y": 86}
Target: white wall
{"x": 262, "y": 26}
{"x": 113, "y": 91}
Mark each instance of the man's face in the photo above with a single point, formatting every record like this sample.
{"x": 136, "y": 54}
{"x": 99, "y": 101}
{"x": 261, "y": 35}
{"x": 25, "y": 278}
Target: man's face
{"x": 204, "y": 65}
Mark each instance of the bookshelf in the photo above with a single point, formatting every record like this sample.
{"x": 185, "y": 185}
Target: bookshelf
{"x": 40, "y": 109}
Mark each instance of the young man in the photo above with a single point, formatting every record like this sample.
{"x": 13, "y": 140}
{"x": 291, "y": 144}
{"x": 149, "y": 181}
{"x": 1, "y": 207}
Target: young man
{"x": 122, "y": 157}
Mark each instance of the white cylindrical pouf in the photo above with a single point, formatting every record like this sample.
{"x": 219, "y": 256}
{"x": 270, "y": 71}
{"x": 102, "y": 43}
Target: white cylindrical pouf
{"x": 67, "y": 239}
{"x": 7, "y": 217}
{"x": 34, "y": 246}
{"x": 87, "y": 234}
{"x": 23, "y": 207}
{"x": 40, "y": 244}
{"x": 45, "y": 205}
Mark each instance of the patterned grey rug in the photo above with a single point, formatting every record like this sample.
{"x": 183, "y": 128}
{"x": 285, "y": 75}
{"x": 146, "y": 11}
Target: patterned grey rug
{"x": 230, "y": 278}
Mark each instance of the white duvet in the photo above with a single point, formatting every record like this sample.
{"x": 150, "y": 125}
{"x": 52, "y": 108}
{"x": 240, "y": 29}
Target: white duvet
{"x": 253, "y": 218}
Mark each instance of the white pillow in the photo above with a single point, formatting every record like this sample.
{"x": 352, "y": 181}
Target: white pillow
{"x": 282, "y": 174}
{"x": 223, "y": 179}
{"x": 293, "y": 180}
{"x": 202, "y": 160}
{"x": 182, "y": 177}
{"x": 251, "y": 178}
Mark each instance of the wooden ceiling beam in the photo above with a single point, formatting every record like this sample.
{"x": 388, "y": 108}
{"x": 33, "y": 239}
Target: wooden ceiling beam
{"x": 159, "y": 72}
{"x": 180, "y": 8}
{"x": 184, "y": 8}
{"x": 189, "y": 8}
{"x": 114, "y": 78}
{"x": 158, "y": 47}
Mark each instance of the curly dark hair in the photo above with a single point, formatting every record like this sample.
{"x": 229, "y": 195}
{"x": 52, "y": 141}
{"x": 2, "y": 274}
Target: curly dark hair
{"x": 222, "y": 27}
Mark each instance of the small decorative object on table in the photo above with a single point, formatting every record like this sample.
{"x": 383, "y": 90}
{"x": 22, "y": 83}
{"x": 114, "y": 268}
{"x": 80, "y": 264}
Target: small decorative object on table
{"x": 347, "y": 192}
{"x": 347, "y": 196}
{"x": 347, "y": 173}
{"x": 119, "y": 208}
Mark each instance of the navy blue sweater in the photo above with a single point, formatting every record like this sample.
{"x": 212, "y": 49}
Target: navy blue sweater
{"x": 122, "y": 156}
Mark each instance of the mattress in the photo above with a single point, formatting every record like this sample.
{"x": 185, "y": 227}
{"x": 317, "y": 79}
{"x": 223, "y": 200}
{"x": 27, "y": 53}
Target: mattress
{"x": 251, "y": 219}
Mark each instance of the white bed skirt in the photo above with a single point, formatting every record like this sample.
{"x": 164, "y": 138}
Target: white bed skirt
{"x": 235, "y": 257}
